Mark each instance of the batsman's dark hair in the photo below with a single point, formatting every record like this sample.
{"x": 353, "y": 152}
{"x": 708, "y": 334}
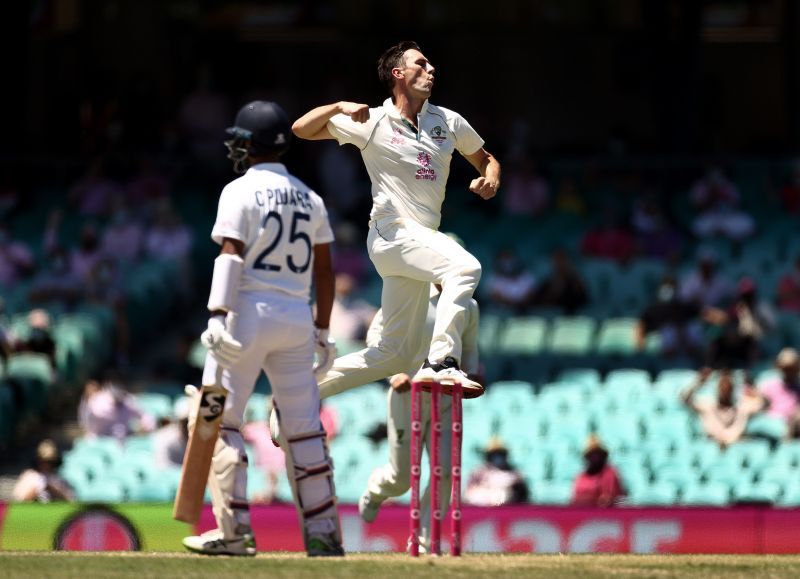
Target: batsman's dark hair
{"x": 390, "y": 59}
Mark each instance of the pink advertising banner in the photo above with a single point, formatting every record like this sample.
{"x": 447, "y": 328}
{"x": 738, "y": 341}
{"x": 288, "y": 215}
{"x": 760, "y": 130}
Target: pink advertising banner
{"x": 553, "y": 530}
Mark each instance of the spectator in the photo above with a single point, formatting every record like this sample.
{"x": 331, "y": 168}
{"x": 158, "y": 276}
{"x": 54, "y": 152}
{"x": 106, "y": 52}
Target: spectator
{"x": 705, "y": 286}
{"x": 7, "y": 342}
{"x": 783, "y": 393}
{"x": 124, "y": 237}
{"x": 106, "y": 409}
{"x": 656, "y": 236}
{"x": 564, "y": 287}
{"x": 16, "y": 259}
{"x": 169, "y": 238}
{"x": 57, "y": 284}
{"x": 148, "y": 186}
{"x": 510, "y": 284}
{"x": 599, "y": 484}
{"x": 716, "y": 200}
{"x": 723, "y": 420}
{"x": 496, "y": 482}
{"x": 527, "y": 193}
{"x": 350, "y": 316}
{"x": 92, "y": 195}
{"x": 611, "y": 239}
{"x": 106, "y": 286}
{"x": 40, "y": 338}
{"x": 676, "y": 321}
{"x": 790, "y": 193}
{"x": 170, "y": 440}
{"x": 569, "y": 199}
{"x": 85, "y": 258}
{"x": 203, "y": 117}
{"x": 743, "y": 327}
{"x": 789, "y": 289}
{"x": 41, "y": 482}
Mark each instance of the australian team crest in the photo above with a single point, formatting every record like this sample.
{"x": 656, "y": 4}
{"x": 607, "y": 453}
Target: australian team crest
{"x": 438, "y": 134}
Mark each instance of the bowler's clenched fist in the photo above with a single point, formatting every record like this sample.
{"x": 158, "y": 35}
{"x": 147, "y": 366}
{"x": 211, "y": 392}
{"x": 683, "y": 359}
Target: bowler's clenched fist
{"x": 356, "y": 111}
{"x": 483, "y": 187}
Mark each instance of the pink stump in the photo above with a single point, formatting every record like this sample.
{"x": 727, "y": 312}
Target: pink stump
{"x": 455, "y": 494}
{"x": 436, "y": 470}
{"x": 416, "y": 456}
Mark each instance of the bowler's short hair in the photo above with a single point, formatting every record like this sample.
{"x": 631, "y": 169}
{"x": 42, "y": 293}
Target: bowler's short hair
{"x": 392, "y": 58}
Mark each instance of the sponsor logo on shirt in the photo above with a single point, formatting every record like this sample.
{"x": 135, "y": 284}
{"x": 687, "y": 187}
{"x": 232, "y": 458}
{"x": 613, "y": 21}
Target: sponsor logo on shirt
{"x": 425, "y": 171}
{"x": 438, "y": 134}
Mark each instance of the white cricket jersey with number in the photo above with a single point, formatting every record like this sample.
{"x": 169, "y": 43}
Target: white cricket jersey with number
{"x": 408, "y": 168}
{"x": 280, "y": 220}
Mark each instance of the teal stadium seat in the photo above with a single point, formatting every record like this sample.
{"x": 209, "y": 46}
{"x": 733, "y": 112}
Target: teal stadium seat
{"x": 787, "y": 453}
{"x": 522, "y": 336}
{"x": 759, "y": 492}
{"x": 714, "y": 494}
{"x": 571, "y": 336}
{"x": 155, "y": 404}
{"x": 616, "y": 337}
{"x": 589, "y": 378}
{"x": 791, "y": 496}
{"x": 101, "y": 491}
{"x": 656, "y": 494}
{"x": 752, "y": 454}
{"x": 765, "y": 426}
{"x": 671, "y": 382}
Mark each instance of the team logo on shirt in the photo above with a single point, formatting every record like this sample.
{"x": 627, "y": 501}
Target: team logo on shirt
{"x": 438, "y": 134}
{"x": 397, "y": 136}
{"x": 425, "y": 171}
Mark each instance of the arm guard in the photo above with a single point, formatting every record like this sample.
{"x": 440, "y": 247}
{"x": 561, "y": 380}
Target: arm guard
{"x": 225, "y": 282}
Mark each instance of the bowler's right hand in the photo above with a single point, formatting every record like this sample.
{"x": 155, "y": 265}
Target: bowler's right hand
{"x": 356, "y": 111}
{"x": 400, "y": 383}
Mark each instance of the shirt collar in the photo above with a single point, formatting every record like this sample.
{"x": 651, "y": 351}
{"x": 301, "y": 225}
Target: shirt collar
{"x": 394, "y": 113}
{"x": 274, "y": 167}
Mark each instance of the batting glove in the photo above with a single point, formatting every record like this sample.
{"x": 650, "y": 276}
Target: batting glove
{"x": 221, "y": 345}
{"x": 325, "y": 349}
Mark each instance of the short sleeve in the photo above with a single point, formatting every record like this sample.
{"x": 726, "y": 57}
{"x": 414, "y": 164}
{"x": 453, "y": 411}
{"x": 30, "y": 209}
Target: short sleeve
{"x": 231, "y": 219}
{"x": 468, "y": 141}
{"x": 346, "y": 131}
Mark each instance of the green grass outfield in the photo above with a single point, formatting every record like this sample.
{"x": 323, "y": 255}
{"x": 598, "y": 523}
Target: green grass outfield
{"x": 141, "y": 565}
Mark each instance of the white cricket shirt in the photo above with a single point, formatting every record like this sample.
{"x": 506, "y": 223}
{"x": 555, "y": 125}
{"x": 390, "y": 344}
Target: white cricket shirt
{"x": 408, "y": 169}
{"x": 280, "y": 220}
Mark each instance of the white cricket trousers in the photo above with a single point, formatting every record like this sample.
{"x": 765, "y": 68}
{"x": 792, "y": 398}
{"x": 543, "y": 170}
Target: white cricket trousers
{"x": 394, "y": 478}
{"x": 277, "y": 336}
{"x": 409, "y": 257}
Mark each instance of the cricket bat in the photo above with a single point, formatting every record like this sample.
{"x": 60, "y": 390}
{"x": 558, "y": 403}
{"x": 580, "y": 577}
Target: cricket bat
{"x": 199, "y": 451}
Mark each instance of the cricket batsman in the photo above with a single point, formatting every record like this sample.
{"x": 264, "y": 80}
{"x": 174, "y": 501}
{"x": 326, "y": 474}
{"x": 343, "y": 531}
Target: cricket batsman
{"x": 275, "y": 239}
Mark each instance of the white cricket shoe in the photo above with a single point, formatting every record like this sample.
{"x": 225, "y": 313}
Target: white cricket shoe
{"x": 367, "y": 508}
{"x": 212, "y": 543}
{"x": 448, "y": 373}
